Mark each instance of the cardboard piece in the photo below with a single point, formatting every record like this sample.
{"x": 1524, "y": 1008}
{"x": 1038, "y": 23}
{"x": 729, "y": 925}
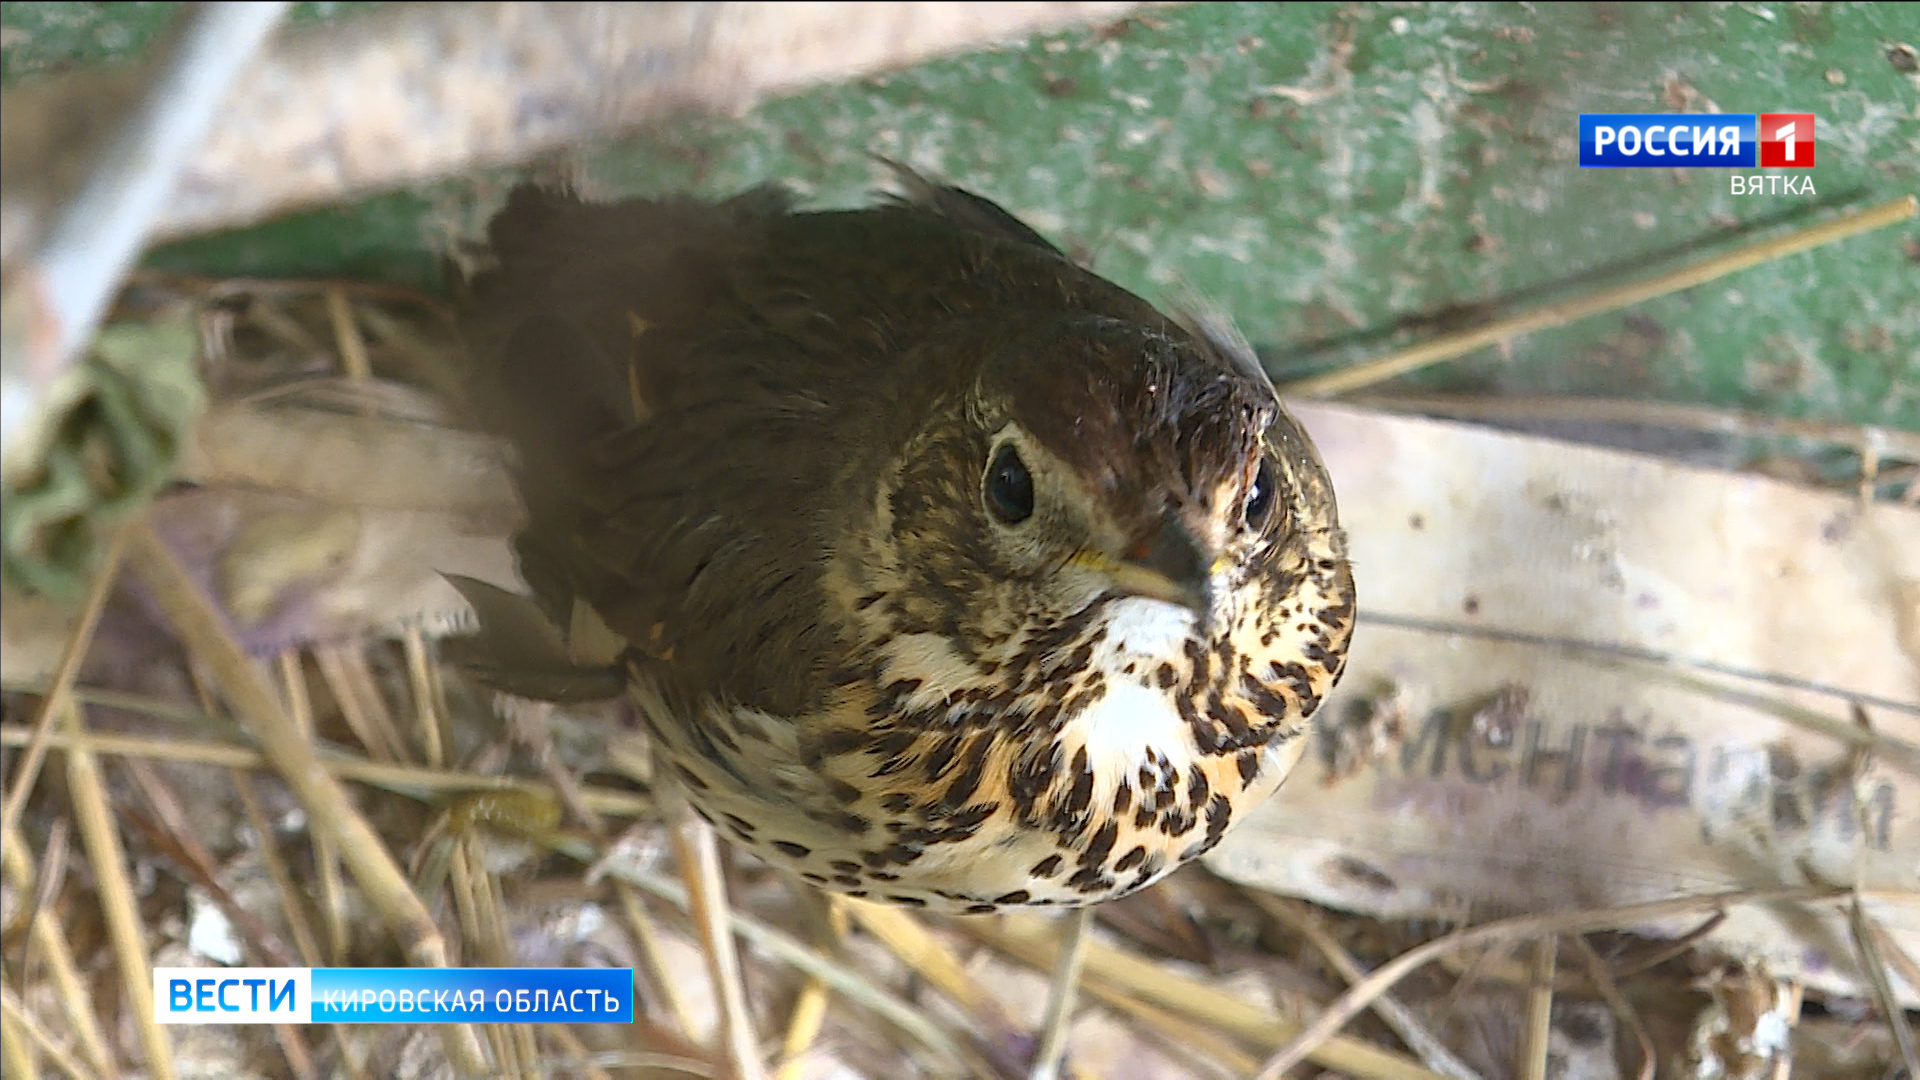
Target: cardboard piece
{"x": 1475, "y": 763}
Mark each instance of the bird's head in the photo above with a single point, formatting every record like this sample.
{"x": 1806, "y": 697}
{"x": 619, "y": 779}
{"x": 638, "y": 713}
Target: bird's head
{"x": 1094, "y": 460}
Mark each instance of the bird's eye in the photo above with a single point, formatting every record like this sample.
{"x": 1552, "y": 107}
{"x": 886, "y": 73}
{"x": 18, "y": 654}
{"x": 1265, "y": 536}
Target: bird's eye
{"x": 1260, "y": 497}
{"x": 1009, "y": 486}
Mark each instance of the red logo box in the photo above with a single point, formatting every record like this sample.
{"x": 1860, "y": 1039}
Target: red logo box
{"x": 1786, "y": 140}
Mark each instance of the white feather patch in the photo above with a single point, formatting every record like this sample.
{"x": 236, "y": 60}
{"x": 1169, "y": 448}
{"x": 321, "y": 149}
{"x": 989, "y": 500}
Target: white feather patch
{"x": 1136, "y": 715}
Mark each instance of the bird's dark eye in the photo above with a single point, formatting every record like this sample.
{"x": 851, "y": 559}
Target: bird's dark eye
{"x": 1260, "y": 497}
{"x": 1009, "y": 487}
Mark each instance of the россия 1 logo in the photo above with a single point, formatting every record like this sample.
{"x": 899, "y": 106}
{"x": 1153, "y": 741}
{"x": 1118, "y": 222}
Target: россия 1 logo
{"x": 1704, "y": 141}
{"x": 1786, "y": 140}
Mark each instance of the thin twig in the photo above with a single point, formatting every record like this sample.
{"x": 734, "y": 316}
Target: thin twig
{"x": 1678, "y": 946}
{"x": 170, "y": 832}
{"x": 1896, "y": 957}
{"x": 1495, "y": 961}
{"x": 809, "y": 1013}
{"x": 1559, "y": 313}
{"x": 466, "y": 909}
{"x": 53, "y": 862}
{"x": 471, "y": 947}
{"x": 265, "y": 313}
{"x": 1537, "y": 1033}
{"x": 435, "y": 365}
{"x": 1861, "y": 437}
{"x": 428, "y": 706}
{"x": 933, "y": 961}
{"x": 1623, "y": 1010}
{"x": 1295, "y": 916}
{"x": 1677, "y": 667}
{"x": 520, "y": 1037}
{"x": 1063, "y": 990}
{"x": 697, "y": 850}
{"x": 333, "y": 903}
{"x": 366, "y": 687}
{"x": 1867, "y": 943}
{"x": 1182, "y": 1036}
{"x": 16, "y": 1014}
{"x": 1356, "y": 999}
{"x": 219, "y": 287}
{"x": 346, "y": 336}
{"x": 16, "y": 1053}
{"x": 576, "y": 1050}
{"x": 484, "y": 929}
{"x": 1034, "y": 942}
{"x": 50, "y": 938}
{"x": 804, "y": 1023}
{"x": 107, "y": 857}
{"x": 58, "y": 687}
{"x": 291, "y": 909}
{"x": 359, "y": 706}
{"x": 410, "y": 780}
{"x": 114, "y": 699}
{"x": 646, "y": 938}
{"x": 844, "y": 981}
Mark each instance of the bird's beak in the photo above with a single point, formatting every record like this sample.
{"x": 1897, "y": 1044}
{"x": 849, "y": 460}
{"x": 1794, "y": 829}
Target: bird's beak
{"x": 1169, "y": 565}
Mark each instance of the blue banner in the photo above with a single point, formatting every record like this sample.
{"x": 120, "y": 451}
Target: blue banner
{"x": 393, "y": 995}
{"x": 1670, "y": 140}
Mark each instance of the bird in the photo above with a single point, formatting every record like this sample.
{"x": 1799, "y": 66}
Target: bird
{"x": 939, "y": 570}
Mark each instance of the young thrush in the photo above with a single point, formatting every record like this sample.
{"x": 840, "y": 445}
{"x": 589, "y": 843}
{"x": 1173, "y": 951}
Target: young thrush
{"x": 949, "y": 573}
{"x": 941, "y": 569}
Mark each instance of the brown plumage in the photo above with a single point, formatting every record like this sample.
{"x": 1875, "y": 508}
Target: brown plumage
{"x": 951, "y": 573}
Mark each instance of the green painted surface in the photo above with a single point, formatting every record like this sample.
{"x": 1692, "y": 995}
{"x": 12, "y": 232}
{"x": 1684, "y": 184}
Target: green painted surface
{"x": 48, "y": 37}
{"x": 41, "y": 37}
{"x": 1330, "y": 173}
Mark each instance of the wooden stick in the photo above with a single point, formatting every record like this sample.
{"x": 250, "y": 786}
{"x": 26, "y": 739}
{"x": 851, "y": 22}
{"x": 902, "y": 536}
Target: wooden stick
{"x": 418, "y": 91}
{"x": 1559, "y": 313}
